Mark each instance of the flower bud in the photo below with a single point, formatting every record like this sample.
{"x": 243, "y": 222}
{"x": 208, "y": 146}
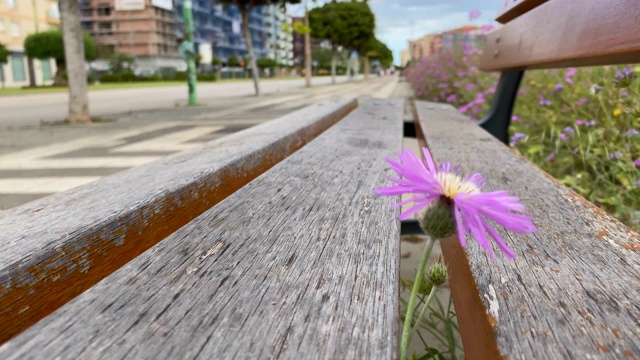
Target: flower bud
{"x": 437, "y": 274}
{"x": 438, "y": 221}
{"x": 425, "y": 285}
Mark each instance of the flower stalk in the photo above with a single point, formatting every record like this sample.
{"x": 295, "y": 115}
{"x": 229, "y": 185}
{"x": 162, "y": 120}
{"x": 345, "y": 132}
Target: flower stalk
{"x": 414, "y": 296}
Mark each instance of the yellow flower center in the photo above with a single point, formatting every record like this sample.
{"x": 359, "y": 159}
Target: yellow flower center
{"x": 453, "y": 185}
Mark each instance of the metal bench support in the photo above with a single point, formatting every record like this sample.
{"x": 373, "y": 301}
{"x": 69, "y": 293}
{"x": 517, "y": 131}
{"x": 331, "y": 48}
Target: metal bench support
{"x": 499, "y": 118}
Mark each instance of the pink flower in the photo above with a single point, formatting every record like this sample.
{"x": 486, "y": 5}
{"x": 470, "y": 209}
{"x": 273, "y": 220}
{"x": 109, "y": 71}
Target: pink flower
{"x": 474, "y": 14}
{"x": 551, "y": 157}
{"x": 452, "y": 98}
{"x": 515, "y": 118}
{"x": 582, "y": 101}
{"x": 471, "y": 208}
{"x": 487, "y": 27}
{"x": 636, "y": 163}
{"x": 579, "y": 122}
{"x": 567, "y": 75}
{"x": 563, "y": 136}
{"x": 470, "y": 87}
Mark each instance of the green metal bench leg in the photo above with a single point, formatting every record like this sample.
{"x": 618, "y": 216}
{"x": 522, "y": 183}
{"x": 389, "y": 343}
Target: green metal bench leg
{"x": 499, "y": 118}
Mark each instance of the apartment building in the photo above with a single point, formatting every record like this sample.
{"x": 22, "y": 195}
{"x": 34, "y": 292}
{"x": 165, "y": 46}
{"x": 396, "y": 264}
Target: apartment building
{"x": 18, "y": 19}
{"x": 145, "y": 29}
{"x": 149, "y": 30}
{"x": 280, "y": 44}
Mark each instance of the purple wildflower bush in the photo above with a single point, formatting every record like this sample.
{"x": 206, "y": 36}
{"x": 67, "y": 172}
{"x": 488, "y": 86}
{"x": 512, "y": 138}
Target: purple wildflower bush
{"x": 581, "y": 125}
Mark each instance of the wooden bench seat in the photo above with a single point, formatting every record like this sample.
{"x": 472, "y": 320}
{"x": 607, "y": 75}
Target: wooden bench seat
{"x": 573, "y": 291}
{"x": 55, "y": 248}
{"x": 301, "y": 262}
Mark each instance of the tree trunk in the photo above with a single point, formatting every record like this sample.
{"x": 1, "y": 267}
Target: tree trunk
{"x": 334, "y": 56}
{"x": 32, "y": 72}
{"x": 366, "y": 67}
{"x": 244, "y": 12}
{"x": 75, "y": 64}
{"x": 58, "y": 78}
{"x": 307, "y": 49}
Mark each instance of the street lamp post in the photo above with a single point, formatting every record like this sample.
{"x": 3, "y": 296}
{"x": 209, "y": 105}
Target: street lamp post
{"x": 189, "y": 52}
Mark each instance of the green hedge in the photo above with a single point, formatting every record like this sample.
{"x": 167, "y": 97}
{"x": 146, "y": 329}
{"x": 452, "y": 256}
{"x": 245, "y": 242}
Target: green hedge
{"x": 129, "y": 76}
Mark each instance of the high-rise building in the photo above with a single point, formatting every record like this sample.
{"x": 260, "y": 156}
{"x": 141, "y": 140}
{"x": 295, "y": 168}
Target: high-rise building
{"x": 150, "y": 30}
{"x": 280, "y": 44}
{"x": 18, "y": 19}
{"x": 139, "y": 28}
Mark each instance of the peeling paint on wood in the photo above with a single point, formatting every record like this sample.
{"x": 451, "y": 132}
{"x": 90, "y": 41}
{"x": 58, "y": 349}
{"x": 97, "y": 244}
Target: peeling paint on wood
{"x": 301, "y": 262}
{"x": 53, "y": 249}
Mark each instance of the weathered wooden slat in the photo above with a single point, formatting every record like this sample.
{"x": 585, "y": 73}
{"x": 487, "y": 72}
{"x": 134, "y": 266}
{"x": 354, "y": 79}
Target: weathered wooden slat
{"x": 574, "y": 289}
{"x": 511, "y": 9}
{"x": 575, "y": 33}
{"x": 300, "y": 263}
{"x": 53, "y": 249}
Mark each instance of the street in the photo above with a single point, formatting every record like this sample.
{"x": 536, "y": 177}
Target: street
{"x": 21, "y": 110}
{"x": 142, "y": 125}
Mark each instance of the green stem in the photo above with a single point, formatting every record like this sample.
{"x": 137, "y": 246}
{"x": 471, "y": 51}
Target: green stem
{"x": 425, "y": 307}
{"x": 412, "y": 300}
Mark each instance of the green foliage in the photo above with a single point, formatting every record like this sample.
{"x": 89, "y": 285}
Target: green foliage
{"x": 121, "y": 63}
{"x": 378, "y": 50}
{"x": 4, "y": 54}
{"x": 584, "y": 136}
{"x": 49, "y": 44}
{"x": 233, "y": 61}
{"x": 129, "y": 76}
{"x": 348, "y": 24}
{"x": 264, "y": 63}
{"x": 300, "y": 28}
{"x": 215, "y": 61}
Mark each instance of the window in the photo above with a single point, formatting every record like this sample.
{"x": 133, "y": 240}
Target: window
{"x": 17, "y": 68}
{"x": 15, "y": 29}
{"x": 104, "y": 10}
{"x": 46, "y": 70}
{"x": 12, "y": 4}
{"x": 105, "y": 28}
{"x": 54, "y": 11}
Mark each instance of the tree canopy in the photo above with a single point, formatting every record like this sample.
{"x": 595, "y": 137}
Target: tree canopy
{"x": 4, "y": 54}
{"x": 378, "y": 50}
{"x": 233, "y": 61}
{"x": 349, "y": 24}
{"x": 264, "y": 63}
{"x": 49, "y": 44}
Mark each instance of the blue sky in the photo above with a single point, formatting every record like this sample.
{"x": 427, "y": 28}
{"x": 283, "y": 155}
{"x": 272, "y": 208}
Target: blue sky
{"x": 397, "y": 21}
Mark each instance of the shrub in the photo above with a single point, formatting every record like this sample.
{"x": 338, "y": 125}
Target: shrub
{"x": 580, "y": 125}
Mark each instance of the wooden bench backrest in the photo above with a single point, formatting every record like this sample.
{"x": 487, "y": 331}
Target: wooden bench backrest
{"x": 573, "y": 290}
{"x": 53, "y": 249}
{"x": 562, "y": 33}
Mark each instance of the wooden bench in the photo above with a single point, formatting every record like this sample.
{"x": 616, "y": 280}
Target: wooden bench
{"x": 302, "y": 260}
{"x": 574, "y": 290}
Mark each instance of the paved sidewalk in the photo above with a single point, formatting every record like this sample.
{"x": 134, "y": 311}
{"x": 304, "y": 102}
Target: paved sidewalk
{"x": 37, "y": 161}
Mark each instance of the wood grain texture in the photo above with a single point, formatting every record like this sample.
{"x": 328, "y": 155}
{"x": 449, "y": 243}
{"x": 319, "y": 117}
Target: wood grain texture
{"x": 55, "y": 248}
{"x": 511, "y": 9}
{"x": 574, "y": 289}
{"x": 300, "y": 263}
{"x": 575, "y": 33}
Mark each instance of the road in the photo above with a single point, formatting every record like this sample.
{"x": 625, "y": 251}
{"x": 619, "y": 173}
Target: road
{"x": 36, "y": 161}
{"x": 25, "y": 110}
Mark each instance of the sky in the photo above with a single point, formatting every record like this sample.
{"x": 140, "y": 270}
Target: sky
{"x": 398, "y": 21}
